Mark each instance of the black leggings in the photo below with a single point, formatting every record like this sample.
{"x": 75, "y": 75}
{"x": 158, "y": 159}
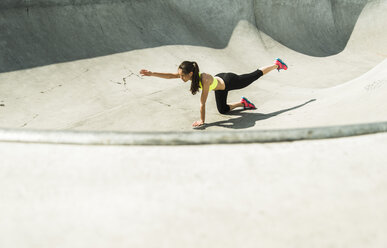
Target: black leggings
{"x": 233, "y": 82}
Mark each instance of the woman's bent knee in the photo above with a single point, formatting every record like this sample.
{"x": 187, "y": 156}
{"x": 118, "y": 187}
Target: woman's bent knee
{"x": 224, "y": 110}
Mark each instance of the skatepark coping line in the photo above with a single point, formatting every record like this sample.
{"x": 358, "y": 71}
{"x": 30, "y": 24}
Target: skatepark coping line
{"x": 187, "y": 138}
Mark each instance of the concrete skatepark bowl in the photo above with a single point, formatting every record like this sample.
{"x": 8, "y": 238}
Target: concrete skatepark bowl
{"x": 95, "y": 155}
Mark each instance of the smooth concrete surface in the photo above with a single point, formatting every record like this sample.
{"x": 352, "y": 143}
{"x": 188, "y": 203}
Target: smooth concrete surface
{"x": 107, "y": 93}
{"x": 74, "y": 66}
{"x": 326, "y": 193}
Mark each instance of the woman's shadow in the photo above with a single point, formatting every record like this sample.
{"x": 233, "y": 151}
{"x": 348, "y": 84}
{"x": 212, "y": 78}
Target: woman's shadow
{"x": 246, "y": 120}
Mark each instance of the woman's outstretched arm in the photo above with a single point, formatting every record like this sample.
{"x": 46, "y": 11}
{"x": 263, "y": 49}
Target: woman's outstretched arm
{"x": 144, "y": 72}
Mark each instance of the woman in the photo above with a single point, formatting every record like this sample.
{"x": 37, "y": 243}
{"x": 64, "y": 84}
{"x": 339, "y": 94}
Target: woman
{"x": 222, "y": 83}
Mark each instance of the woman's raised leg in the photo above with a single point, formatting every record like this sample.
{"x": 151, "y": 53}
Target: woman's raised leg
{"x": 268, "y": 69}
{"x": 278, "y": 64}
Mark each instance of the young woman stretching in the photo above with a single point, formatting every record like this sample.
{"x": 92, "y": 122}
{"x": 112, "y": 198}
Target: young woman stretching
{"x": 222, "y": 83}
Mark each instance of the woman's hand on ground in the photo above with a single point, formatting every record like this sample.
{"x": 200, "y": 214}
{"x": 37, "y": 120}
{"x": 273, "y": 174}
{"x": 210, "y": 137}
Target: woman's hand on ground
{"x": 198, "y": 123}
{"x": 144, "y": 72}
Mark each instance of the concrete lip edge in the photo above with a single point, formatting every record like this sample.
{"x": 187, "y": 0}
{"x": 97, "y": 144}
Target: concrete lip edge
{"x": 187, "y": 138}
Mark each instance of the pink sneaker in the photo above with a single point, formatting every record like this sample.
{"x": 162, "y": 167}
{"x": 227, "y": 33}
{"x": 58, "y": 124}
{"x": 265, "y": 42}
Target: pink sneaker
{"x": 247, "y": 104}
{"x": 281, "y": 64}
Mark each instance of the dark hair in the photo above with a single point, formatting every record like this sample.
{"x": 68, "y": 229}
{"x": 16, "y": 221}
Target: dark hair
{"x": 188, "y": 67}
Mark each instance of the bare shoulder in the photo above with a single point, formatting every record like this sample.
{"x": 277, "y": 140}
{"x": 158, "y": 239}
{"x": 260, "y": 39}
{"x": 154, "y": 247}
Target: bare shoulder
{"x": 207, "y": 78}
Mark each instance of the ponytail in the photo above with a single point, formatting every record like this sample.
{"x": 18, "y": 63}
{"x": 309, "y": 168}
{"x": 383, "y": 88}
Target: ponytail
{"x": 188, "y": 67}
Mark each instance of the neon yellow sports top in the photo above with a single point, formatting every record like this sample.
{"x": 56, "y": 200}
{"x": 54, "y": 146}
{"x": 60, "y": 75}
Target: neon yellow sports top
{"x": 212, "y": 86}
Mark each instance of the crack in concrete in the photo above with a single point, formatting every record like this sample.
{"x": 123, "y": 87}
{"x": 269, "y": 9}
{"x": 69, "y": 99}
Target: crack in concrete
{"x": 124, "y": 82}
{"x": 33, "y": 118}
{"x": 51, "y": 89}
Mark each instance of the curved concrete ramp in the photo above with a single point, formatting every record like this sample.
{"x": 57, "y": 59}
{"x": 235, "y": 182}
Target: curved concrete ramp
{"x": 40, "y": 33}
{"x": 71, "y": 67}
{"x": 316, "y": 28}
{"x": 47, "y": 32}
{"x": 106, "y": 93}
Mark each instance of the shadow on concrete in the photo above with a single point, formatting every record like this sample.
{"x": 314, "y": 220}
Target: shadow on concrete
{"x": 38, "y": 33}
{"x": 247, "y": 120}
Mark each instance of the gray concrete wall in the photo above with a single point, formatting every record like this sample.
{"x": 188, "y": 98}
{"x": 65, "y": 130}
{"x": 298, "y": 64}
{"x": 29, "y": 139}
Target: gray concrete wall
{"x": 37, "y": 33}
{"x": 317, "y": 28}
{"x": 51, "y": 32}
